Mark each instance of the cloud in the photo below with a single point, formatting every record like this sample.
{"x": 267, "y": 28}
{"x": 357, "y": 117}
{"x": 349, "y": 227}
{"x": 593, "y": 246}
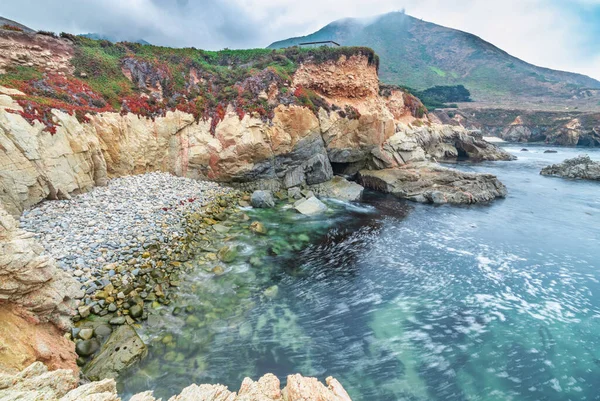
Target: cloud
{"x": 560, "y": 34}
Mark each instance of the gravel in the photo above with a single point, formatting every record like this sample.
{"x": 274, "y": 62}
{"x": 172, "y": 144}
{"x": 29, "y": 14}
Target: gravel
{"x": 116, "y": 223}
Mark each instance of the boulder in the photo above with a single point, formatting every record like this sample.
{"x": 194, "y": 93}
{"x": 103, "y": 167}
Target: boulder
{"x": 581, "y": 167}
{"x": 123, "y": 349}
{"x": 310, "y": 207}
{"x": 262, "y": 199}
{"x": 339, "y": 188}
{"x": 430, "y": 183}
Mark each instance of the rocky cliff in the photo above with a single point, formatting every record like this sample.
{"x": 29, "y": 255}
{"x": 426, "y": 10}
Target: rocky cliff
{"x": 354, "y": 127}
{"x": 569, "y": 128}
{"x": 36, "y": 302}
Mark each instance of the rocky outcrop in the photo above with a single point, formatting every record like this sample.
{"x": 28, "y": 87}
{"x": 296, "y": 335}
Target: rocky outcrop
{"x": 581, "y": 167}
{"x": 37, "y": 300}
{"x": 563, "y": 128}
{"x": 429, "y": 183}
{"x": 37, "y": 383}
{"x": 33, "y": 50}
{"x": 339, "y": 188}
{"x": 295, "y": 148}
{"x": 30, "y": 279}
{"x": 123, "y": 349}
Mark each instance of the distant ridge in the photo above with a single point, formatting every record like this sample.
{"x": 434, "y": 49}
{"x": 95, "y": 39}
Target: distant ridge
{"x": 99, "y": 36}
{"x": 6, "y": 21}
{"x": 420, "y": 55}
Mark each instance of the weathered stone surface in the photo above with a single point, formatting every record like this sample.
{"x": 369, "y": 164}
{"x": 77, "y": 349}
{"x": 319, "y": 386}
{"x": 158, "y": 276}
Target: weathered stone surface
{"x": 123, "y": 349}
{"x": 24, "y": 340}
{"x": 205, "y": 392}
{"x": 429, "y": 183}
{"x": 267, "y": 388}
{"x": 30, "y": 279}
{"x": 310, "y": 207}
{"x": 339, "y": 188}
{"x": 308, "y": 388}
{"x": 581, "y": 167}
{"x": 36, "y": 383}
{"x": 104, "y": 390}
{"x": 262, "y": 199}
{"x": 42, "y": 51}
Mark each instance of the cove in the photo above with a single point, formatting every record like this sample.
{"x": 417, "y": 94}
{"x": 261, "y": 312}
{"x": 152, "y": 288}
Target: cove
{"x": 400, "y": 300}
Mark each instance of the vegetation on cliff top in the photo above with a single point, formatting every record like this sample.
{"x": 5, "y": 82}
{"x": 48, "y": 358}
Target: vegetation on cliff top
{"x": 151, "y": 80}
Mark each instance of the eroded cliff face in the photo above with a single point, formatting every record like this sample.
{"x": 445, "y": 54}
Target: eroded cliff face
{"x": 28, "y": 49}
{"x": 36, "y": 302}
{"x": 295, "y": 147}
{"x": 569, "y": 128}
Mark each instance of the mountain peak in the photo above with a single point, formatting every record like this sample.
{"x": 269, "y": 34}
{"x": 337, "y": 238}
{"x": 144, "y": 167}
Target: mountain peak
{"x": 420, "y": 54}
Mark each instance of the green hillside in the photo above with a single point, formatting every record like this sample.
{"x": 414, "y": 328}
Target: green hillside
{"x": 420, "y": 55}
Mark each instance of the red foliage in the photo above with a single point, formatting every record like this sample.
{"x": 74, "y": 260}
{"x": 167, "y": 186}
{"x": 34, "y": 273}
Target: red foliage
{"x": 143, "y": 106}
{"x": 9, "y": 27}
{"x": 55, "y": 91}
{"x": 300, "y": 92}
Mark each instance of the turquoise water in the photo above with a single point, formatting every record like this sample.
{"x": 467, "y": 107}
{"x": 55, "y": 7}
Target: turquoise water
{"x": 401, "y": 301}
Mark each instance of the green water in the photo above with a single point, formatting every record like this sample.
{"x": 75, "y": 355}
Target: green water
{"x": 401, "y": 301}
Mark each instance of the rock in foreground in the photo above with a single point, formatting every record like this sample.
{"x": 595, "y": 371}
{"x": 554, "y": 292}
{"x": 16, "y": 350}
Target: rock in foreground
{"x": 429, "y": 183}
{"x": 339, "y": 188}
{"x": 37, "y": 383}
{"x": 581, "y": 167}
{"x": 123, "y": 349}
{"x": 310, "y": 207}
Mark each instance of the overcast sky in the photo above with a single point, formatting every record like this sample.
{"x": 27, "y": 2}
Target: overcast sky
{"x": 560, "y": 34}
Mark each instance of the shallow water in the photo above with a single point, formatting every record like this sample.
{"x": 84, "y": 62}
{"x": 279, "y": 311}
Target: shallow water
{"x": 401, "y": 301}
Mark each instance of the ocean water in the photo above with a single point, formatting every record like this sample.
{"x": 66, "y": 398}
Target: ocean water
{"x": 402, "y": 301}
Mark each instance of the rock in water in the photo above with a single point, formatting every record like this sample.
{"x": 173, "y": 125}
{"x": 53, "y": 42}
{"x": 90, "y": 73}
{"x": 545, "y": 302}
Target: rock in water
{"x": 581, "y": 167}
{"x": 258, "y": 227}
{"x": 123, "y": 349}
{"x": 429, "y": 183}
{"x": 310, "y": 207}
{"x": 339, "y": 188}
{"x": 262, "y": 199}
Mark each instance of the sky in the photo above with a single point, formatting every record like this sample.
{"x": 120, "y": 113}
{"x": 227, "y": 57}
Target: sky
{"x": 558, "y": 34}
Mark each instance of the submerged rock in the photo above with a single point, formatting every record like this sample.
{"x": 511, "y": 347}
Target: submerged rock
{"x": 262, "y": 199}
{"x": 123, "y": 349}
{"x": 581, "y": 167}
{"x": 258, "y": 227}
{"x": 429, "y": 183}
{"x": 310, "y": 207}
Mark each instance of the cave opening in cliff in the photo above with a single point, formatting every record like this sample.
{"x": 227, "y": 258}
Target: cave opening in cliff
{"x": 462, "y": 155}
{"x": 347, "y": 170}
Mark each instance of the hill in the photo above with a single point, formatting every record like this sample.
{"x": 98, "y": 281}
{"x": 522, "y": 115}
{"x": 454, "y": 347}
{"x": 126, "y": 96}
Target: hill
{"x": 99, "y": 36}
{"x": 420, "y": 55}
{"x": 5, "y": 22}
